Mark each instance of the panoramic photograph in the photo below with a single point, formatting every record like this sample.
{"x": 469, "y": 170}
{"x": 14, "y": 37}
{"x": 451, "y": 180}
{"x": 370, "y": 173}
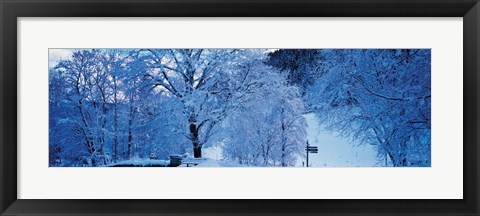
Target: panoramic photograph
{"x": 239, "y": 108}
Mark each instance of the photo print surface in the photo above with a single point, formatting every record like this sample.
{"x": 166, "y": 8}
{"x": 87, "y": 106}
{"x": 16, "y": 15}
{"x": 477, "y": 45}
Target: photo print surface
{"x": 239, "y": 108}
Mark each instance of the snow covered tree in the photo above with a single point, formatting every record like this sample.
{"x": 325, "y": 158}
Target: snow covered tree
{"x": 199, "y": 80}
{"x": 380, "y": 97}
{"x": 87, "y": 87}
{"x": 299, "y": 65}
{"x": 266, "y": 127}
{"x": 63, "y": 145}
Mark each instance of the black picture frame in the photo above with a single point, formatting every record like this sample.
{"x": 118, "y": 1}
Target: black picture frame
{"x": 10, "y": 10}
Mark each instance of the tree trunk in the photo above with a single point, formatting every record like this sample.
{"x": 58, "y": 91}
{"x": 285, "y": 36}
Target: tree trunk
{"x": 130, "y": 136}
{"x": 197, "y": 152}
{"x": 197, "y": 149}
{"x": 129, "y": 145}
{"x": 115, "y": 120}
{"x": 104, "y": 126}
{"x": 115, "y": 138}
{"x": 130, "y": 125}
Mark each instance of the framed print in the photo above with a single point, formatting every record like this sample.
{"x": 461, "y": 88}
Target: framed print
{"x": 224, "y": 107}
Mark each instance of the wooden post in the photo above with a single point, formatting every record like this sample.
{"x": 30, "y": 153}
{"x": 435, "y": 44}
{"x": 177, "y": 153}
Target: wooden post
{"x": 307, "y": 153}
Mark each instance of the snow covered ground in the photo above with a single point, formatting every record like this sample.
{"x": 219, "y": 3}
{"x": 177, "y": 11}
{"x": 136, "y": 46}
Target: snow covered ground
{"x": 334, "y": 151}
{"x": 217, "y": 163}
{"x": 213, "y": 156}
{"x": 141, "y": 163}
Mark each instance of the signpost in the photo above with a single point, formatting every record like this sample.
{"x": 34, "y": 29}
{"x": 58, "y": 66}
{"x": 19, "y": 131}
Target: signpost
{"x": 311, "y": 149}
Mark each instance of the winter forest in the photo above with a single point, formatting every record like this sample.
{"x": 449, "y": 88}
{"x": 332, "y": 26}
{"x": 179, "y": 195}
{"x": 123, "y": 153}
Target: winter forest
{"x": 239, "y": 107}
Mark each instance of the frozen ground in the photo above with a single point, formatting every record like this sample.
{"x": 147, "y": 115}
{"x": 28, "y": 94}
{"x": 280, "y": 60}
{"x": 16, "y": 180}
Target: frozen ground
{"x": 141, "y": 163}
{"x": 217, "y": 163}
{"x": 213, "y": 157}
